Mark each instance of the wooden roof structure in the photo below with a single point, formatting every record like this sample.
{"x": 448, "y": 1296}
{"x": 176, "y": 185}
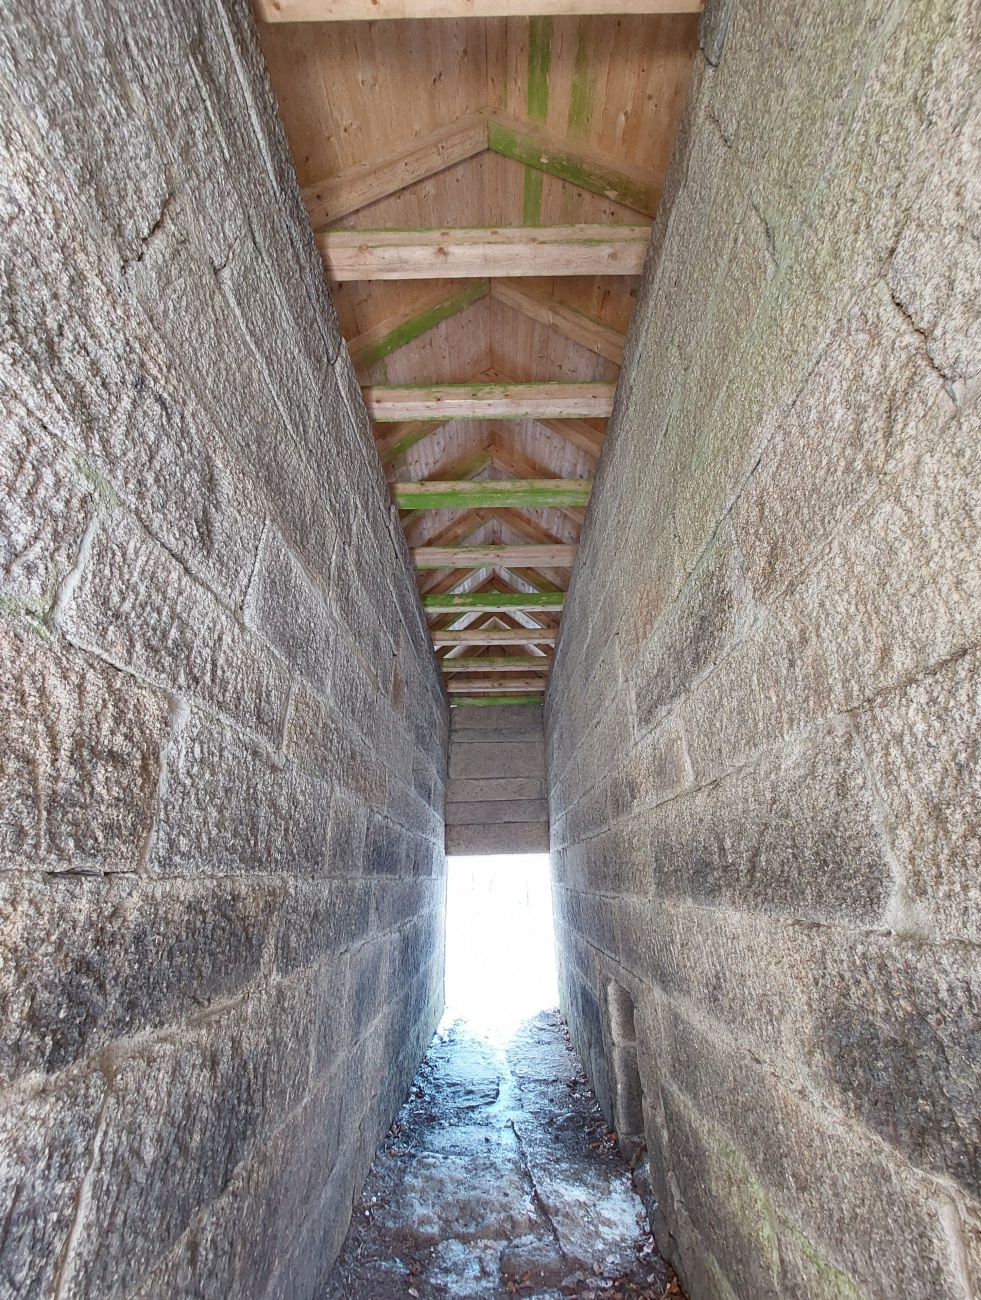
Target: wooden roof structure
{"x": 481, "y": 176}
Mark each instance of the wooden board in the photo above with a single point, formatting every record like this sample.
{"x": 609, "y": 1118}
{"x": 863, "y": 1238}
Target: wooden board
{"x": 326, "y": 11}
{"x": 446, "y": 557}
{"x": 465, "y": 495}
{"x": 496, "y": 636}
{"x": 484, "y": 251}
{"x": 488, "y": 401}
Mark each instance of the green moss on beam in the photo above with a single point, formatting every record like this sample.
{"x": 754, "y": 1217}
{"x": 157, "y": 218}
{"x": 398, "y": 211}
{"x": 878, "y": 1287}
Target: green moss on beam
{"x": 482, "y": 701}
{"x": 528, "y": 147}
{"x": 494, "y": 601}
{"x": 415, "y": 326}
{"x": 527, "y": 494}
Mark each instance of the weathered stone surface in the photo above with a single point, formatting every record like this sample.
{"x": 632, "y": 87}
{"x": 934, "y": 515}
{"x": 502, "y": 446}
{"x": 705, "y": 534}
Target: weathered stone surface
{"x": 45, "y": 507}
{"x": 79, "y": 762}
{"x": 209, "y": 1009}
{"x": 137, "y": 607}
{"x": 231, "y": 807}
{"x": 46, "y": 1141}
{"x": 778, "y": 592}
{"x": 85, "y": 961}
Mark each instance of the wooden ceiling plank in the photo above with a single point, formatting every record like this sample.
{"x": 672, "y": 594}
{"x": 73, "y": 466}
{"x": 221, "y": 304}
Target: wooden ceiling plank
{"x": 574, "y": 325}
{"x": 355, "y": 187}
{"x": 395, "y": 332}
{"x": 541, "y": 401}
{"x": 464, "y": 494}
{"x": 326, "y": 11}
{"x": 483, "y": 251}
{"x": 588, "y": 169}
{"x": 449, "y": 557}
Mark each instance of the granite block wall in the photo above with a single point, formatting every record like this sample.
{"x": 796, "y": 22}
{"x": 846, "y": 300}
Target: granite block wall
{"x": 763, "y": 724}
{"x": 222, "y": 730}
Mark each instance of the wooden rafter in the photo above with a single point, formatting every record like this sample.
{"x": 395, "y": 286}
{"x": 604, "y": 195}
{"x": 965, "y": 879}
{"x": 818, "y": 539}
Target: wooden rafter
{"x": 356, "y": 187}
{"x": 494, "y": 601}
{"x": 575, "y": 325}
{"x": 579, "y": 433}
{"x": 483, "y": 251}
{"x": 497, "y": 663}
{"x": 489, "y": 401}
{"x": 396, "y": 331}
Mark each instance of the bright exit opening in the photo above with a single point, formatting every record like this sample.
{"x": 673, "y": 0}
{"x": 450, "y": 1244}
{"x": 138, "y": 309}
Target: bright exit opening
{"x": 500, "y": 941}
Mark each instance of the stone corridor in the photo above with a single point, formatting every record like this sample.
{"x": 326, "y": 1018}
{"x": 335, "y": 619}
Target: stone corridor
{"x": 499, "y": 1178}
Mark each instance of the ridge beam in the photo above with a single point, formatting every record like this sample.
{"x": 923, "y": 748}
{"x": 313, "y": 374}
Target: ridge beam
{"x": 496, "y": 401}
{"x": 480, "y": 252}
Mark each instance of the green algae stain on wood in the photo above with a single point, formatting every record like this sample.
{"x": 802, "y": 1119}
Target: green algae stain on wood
{"x": 421, "y": 324}
{"x": 520, "y": 493}
{"x": 569, "y": 166}
{"x": 583, "y": 86}
{"x": 482, "y": 701}
{"x": 539, "y": 71}
{"x": 494, "y": 601}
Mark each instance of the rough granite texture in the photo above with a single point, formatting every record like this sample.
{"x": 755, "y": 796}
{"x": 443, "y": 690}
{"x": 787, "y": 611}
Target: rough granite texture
{"x": 222, "y": 730}
{"x": 763, "y": 724}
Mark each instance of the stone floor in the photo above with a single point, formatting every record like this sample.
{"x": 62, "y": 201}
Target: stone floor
{"x": 499, "y": 1178}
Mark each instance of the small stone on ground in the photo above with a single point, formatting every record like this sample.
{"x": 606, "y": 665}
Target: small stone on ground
{"x": 499, "y": 1178}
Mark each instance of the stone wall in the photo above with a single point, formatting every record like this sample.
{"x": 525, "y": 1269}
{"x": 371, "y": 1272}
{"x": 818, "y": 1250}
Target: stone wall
{"x": 223, "y": 731}
{"x": 764, "y": 719}
{"x": 495, "y": 799}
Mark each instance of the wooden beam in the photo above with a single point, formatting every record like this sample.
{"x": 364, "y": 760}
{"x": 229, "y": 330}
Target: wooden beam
{"x": 464, "y": 494}
{"x": 460, "y": 471}
{"x": 496, "y": 636}
{"x": 484, "y": 251}
{"x": 483, "y": 701}
{"x": 476, "y": 557}
{"x": 575, "y": 325}
{"x": 355, "y": 187}
{"x": 511, "y": 461}
{"x": 490, "y": 685}
{"x": 395, "y": 332}
{"x": 400, "y": 437}
{"x": 578, "y": 432}
{"x": 496, "y": 663}
{"x": 326, "y": 11}
{"x": 621, "y": 182}
{"x": 489, "y": 401}
{"x": 494, "y": 601}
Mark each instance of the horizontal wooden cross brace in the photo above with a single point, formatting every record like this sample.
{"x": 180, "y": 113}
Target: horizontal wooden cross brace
{"x": 425, "y": 155}
{"x": 387, "y": 404}
{"x": 496, "y": 636}
{"x": 488, "y": 685}
{"x": 325, "y": 11}
{"x": 477, "y": 557}
{"x": 493, "y": 602}
{"x": 484, "y": 251}
{"x": 526, "y": 493}
{"x": 498, "y": 664}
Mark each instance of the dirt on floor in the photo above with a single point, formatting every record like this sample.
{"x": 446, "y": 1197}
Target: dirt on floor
{"x": 500, "y": 1178}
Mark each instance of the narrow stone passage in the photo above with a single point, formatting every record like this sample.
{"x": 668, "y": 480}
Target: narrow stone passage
{"x": 500, "y": 1178}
